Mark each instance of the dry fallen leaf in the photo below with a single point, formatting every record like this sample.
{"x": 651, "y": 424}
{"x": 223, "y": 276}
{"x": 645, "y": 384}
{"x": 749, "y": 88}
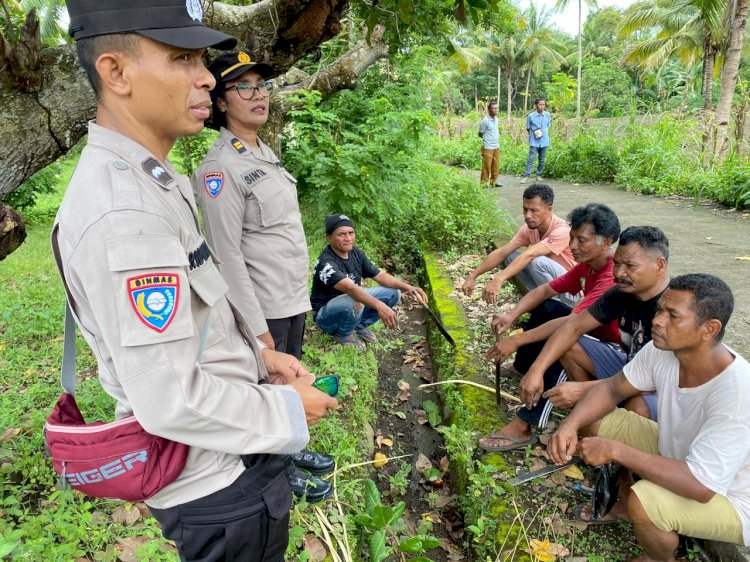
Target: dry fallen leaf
{"x": 573, "y": 472}
{"x": 546, "y": 551}
{"x": 315, "y": 548}
{"x": 743, "y": 258}
{"x": 128, "y": 546}
{"x": 536, "y": 464}
{"x": 380, "y": 460}
{"x": 423, "y": 463}
{"x": 9, "y": 434}
{"x": 387, "y": 442}
{"x": 126, "y": 515}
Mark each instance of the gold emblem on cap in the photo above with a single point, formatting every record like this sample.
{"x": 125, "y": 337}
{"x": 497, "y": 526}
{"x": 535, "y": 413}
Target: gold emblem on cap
{"x": 244, "y": 57}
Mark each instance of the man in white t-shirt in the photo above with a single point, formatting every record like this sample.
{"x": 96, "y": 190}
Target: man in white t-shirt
{"x": 695, "y": 463}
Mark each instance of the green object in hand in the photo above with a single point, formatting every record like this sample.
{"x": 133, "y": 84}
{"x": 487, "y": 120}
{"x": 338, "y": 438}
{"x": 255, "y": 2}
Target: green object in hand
{"x": 328, "y": 384}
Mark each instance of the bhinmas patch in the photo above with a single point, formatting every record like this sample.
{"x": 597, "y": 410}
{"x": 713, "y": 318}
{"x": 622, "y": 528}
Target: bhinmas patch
{"x": 154, "y": 298}
{"x": 214, "y": 183}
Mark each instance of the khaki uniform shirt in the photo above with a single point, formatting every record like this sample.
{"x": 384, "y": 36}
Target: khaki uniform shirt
{"x": 141, "y": 281}
{"x": 253, "y": 222}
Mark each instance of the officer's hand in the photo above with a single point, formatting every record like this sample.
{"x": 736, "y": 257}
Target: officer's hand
{"x": 532, "y": 386}
{"x": 491, "y": 290}
{"x": 468, "y": 286}
{"x": 562, "y": 445}
{"x": 501, "y": 350}
{"x": 267, "y": 339}
{"x": 501, "y": 322}
{"x": 387, "y": 315}
{"x": 315, "y": 402}
{"x": 282, "y": 367}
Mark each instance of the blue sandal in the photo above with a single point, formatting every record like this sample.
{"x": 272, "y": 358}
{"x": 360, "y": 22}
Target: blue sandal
{"x": 350, "y": 340}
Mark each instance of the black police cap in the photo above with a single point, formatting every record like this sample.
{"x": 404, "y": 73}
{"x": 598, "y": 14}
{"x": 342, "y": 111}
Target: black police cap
{"x": 174, "y": 22}
{"x": 228, "y": 66}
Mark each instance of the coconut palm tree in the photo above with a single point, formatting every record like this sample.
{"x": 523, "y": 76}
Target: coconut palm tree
{"x": 690, "y": 30}
{"x": 540, "y": 45}
{"x": 591, "y": 4}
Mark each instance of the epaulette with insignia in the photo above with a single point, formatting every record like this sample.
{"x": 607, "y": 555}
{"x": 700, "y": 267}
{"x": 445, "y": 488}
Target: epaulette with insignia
{"x": 154, "y": 169}
{"x": 238, "y": 146}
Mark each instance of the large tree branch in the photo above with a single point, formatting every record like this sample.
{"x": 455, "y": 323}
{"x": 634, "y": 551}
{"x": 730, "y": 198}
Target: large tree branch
{"x": 45, "y": 101}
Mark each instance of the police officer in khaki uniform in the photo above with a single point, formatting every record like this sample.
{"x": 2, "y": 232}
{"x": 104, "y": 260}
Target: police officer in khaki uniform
{"x": 145, "y": 290}
{"x": 253, "y": 222}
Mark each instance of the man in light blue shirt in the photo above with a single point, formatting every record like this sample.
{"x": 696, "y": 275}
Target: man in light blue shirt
{"x": 537, "y": 125}
{"x": 488, "y": 132}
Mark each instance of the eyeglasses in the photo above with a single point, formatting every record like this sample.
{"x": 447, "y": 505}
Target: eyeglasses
{"x": 247, "y": 91}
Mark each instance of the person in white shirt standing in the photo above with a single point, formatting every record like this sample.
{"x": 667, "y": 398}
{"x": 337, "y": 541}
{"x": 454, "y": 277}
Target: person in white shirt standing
{"x": 695, "y": 463}
{"x": 490, "y": 135}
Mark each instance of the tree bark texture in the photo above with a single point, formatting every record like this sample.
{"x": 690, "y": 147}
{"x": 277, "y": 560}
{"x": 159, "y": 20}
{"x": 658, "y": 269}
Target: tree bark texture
{"x": 12, "y": 231}
{"x": 709, "y": 59}
{"x": 45, "y": 100}
{"x": 729, "y": 78}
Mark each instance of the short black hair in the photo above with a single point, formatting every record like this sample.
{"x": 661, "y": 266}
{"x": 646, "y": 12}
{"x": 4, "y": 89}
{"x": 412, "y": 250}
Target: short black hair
{"x": 602, "y": 219}
{"x": 650, "y": 238}
{"x": 89, "y": 49}
{"x": 491, "y": 103}
{"x": 541, "y": 190}
{"x": 712, "y": 298}
{"x": 537, "y": 100}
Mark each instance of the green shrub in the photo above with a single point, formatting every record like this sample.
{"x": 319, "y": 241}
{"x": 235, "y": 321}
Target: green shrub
{"x": 42, "y": 182}
{"x": 588, "y": 157}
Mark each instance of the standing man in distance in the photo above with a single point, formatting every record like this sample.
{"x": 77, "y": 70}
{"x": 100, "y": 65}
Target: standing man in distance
{"x": 253, "y": 223}
{"x": 547, "y": 255}
{"x": 695, "y": 463}
{"x": 490, "y": 135}
{"x": 150, "y": 301}
{"x": 342, "y": 308}
{"x": 537, "y": 126}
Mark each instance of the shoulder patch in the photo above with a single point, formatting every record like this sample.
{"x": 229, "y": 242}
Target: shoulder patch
{"x": 214, "y": 183}
{"x": 254, "y": 175}
{"x": 154, "y": 169}
{"x": 154, "y": 297}
{"x": 238, "y": 146}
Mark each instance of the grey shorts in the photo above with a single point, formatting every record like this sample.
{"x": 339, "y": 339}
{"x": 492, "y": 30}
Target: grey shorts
{"x": 608, "y": 359}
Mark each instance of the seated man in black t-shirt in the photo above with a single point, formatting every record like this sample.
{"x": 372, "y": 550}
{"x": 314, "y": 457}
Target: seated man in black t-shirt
{"x": 341, "y": 307}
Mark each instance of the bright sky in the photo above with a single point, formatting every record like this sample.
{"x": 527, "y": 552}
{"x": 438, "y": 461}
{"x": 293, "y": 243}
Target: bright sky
{"x": 568, "y": 19}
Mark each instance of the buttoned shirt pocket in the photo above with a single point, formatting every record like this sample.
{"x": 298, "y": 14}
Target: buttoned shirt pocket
{"x": 210, "y": 289}
{"x": 267, "y": 202}
{"x": 152, "y": 292}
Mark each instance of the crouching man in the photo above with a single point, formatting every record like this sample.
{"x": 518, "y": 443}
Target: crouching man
{"x": 342, "y": 308}
{"x": 695, "y": 463}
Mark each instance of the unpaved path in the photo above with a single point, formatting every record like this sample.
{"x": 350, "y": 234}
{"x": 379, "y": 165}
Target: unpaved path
{"x": 707, "y": 239}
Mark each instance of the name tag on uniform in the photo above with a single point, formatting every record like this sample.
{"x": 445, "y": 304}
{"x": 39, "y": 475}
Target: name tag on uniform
{"x": 254, "y": 175}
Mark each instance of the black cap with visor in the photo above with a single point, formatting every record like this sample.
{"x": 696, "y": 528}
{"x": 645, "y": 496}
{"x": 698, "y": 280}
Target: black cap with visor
{"x": 178, "y": 23}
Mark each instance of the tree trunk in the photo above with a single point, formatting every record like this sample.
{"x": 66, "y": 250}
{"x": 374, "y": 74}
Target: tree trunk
{"x": 729, "y": 78}
{"x": 510, "y": 96}
{"x": 12, "y": 231}
{"x": 527, "y": 94}
{"x": 709, "y": 59}
{"x": 580, "y": 62}
{"x": 498, "y": 84}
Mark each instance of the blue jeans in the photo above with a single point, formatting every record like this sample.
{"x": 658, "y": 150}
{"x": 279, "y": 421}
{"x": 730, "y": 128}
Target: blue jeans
{"x": 338, "y": 317}
{"x": 533, "y": 151}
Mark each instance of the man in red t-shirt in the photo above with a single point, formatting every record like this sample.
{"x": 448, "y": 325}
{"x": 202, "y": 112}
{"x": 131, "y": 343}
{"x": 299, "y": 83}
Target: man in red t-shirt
{"x": 593, "y": 231}
{"x": 545, "y": 237}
